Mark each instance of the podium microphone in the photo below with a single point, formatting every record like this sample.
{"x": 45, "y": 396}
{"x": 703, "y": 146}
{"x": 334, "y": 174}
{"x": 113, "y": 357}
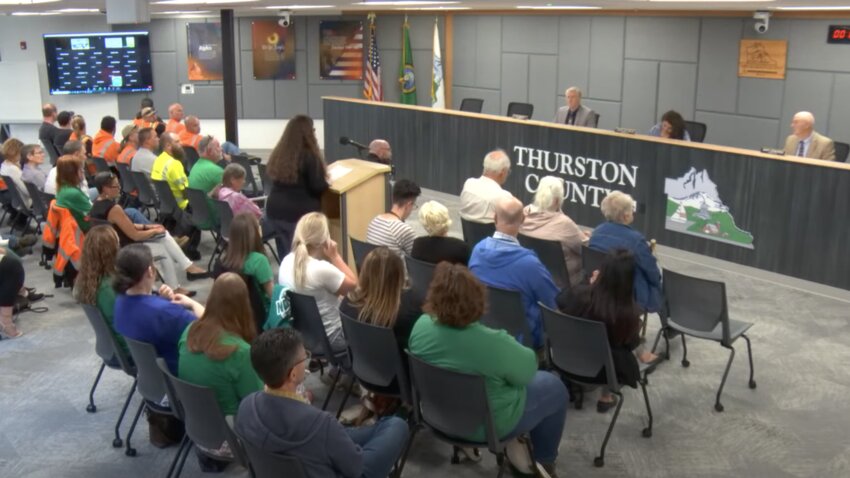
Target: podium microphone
{"x": 345, "y": 140}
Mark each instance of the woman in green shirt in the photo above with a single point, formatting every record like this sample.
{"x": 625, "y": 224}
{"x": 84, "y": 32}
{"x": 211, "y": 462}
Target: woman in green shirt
{"x": 522, "y": 399}
{"x": 69, "y": 176}
{"x": 215, "y": 350}
{"x": 245, "y": 254}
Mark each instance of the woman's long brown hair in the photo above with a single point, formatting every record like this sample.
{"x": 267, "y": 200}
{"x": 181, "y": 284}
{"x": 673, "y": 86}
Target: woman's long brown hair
{"x": 98, "y": 261}
{"x": 299, "y": 138}
{"x": 379, "y": 287}
{"x": 228, "y": 310}
{"x": 244, "y": 239}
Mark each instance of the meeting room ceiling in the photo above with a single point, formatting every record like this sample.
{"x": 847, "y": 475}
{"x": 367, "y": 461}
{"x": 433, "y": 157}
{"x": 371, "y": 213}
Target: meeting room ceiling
{"x": 325, "y": 7}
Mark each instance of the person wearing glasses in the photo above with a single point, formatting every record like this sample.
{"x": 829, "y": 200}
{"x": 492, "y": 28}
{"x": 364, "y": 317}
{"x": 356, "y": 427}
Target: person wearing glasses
{"x": 33, "y": 157}
{"x": 389, "y": 229}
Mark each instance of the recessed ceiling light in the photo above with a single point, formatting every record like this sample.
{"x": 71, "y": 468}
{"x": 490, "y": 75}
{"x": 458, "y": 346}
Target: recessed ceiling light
{"x": 199, "y": 2}
{"x": 32, "y": 14}
{"x": 402, "y": 3}
{"x": 712, "y": 1}
{"x": 557, "y": 7}
{"x": 813, "y": 8}
{"x": 78, "y": 10}
{"x": 25, "y": 2}
{"x": 181, "y": 12}
{"x": 439, "y": 8}
{"x": 296, "y": 7}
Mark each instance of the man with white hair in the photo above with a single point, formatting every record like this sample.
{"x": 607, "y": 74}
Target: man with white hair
{"x": 805, "y": 142}
{"x": 575, "y": 113}
{"x": 380, "y": 151}
{"x": 175, "y": 119}
{"x": 480, "y": 195}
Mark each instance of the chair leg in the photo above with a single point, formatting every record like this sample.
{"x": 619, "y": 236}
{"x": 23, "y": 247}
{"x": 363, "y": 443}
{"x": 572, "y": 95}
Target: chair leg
{"x": 400, "y": 465}
{"x": 685, "y": 362}
{"x": 344, "y": 398}
{"x": 599, "y": 461}
{"x": 501, "y": 463}
{"x": 750, "y": 356}
{"x": 643, "y": 327}
{"x": 274, "y": 253}
{"x": 130, "y": 451}
{"x": 647, "y": 432}
{"x": 186, "y": 451}
{"x": 117, "y": 442}
{"x": 183, "y": 444}
{"x": 91, "y": 408}
{"x": 331, "y": 391}
{"x": 717, "y": 405}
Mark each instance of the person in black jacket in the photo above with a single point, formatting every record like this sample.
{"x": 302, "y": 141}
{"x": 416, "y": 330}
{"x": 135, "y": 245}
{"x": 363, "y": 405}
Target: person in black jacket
{"x": 437, "y": 246}
{"x": 47, "y": 131}
{"x": 299, "y": 177}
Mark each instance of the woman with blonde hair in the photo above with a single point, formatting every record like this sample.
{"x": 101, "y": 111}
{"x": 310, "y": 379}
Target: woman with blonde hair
{"x": 544, "y": 219}
{"x": 78, "y": 133}
{"x": 94, "y": 281}
{"x": 437, "y": 246}
{"x": 315, "y": 267}
{"x": 11, "y": 167}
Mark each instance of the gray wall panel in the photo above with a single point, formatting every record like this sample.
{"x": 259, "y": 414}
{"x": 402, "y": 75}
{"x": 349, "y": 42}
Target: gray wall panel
{"x": 291, "y": 96}
{"x": 760, "y": 97}
{"x": 753, "y": 133}
{"x": 492, "y": 98}
{"x": 717, "y": 80}
{"x": 542, "y": 77}
{"x": 318, "y": 91}
{"x": 390, "y": 61}
{"x": 514, "y": 79}
{"x": 808, "y": 49}
{"x": 806, "y": 91}
{"x": 573, "y": 53}
{"x": 423, "y": 68}
{"x": 206, "y": 103}
{"x": 255, "y": 94}
{"x": 166, "y": 90}
{"x": 488, "y": 48}
{"x": 677, "y": 88}
{"x": 839, "y": 116}
{"x": 609, "y": 112}
{"x": 639, "y": 95}
{"x": 529, "y": 34}
{"x": 662, "y": 38}
{"x": 464, "y": 59}
{"x": 163, "y": 37}
{"x": 606, "y": 58}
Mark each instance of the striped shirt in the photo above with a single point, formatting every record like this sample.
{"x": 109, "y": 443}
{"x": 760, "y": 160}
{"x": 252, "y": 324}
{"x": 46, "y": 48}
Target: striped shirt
{"x": 393, "y": 233}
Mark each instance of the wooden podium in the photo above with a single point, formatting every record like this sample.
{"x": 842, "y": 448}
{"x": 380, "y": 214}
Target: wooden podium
{"x": 357, "y": 194}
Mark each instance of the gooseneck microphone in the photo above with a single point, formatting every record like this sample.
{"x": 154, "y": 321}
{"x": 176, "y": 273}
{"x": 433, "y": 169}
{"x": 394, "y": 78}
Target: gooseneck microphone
{"x": 345, "y": 140}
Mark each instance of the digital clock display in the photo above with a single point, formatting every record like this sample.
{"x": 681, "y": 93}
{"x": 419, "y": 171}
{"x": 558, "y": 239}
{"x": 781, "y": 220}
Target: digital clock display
{"x": 838, "y": 34}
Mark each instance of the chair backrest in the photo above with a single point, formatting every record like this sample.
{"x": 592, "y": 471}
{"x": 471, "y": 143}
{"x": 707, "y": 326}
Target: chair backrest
{"x": 360, "y": 249}
{"x": 251, "y": 188}
{"x": 452, "y": 403}
{"x": 520, "y": 109}
{"x": 596, "y": 119}
{"x": 191, "y": 157}
{"x": 200, "y": 412}
{"x": 167, "y": 202}
{"x": 147, "y": 194}
{"x": 307, "y": 320}
{"x": 125, "y": 175}
{"x": 420, "y": 274}
{"x": 100, "y": 164}
{"x": 39, "y": 207}
{"x": 375, "y": 356}
{"x": 591, "y": 259}
{"x": 265, "y": 464}
{"x": 842, "y": 152}
{"x": 506, "y": 312}
{"x": 696, "y": 130}
{"x": 694, "y": 303}
{"x": 150, "y": 382}
{"x": 225, "y": 217}
{"x": 551, "y": 254}
{"x": 474, "y": 105}
{"x": 201, "y": 213}
{"x": 473, "y": 232}
{"x": 264, "y": 178}
{"x": 578, "y": 347}
{"x": 105, "y": 344}
{"x": 17, "y": 198}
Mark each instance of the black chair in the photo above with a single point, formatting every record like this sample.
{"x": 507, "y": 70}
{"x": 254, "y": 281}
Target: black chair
{"x": 591, "y": 260}
{"x": 842, "y": 152}
{"x": 454, "y": 405}
{"x": 204, "y": 219}
{"x": 128, "y": 185}
{"x": 20, "y": 205}
{"x": 264, "y": 178}
{"x": 251, "y": 189}
{"x": 39, "y": 207}
{"x": 474, "y": 105}
{"x": 696, "y": 131}
{"x": 113, "y": 356}
{"x": 265, "y": 464}
{"x": 420, "y": 274}
{"x": 225, "y": 216}
{"x": 579, "y": 350}
{"x": 361, "y": 250}
{"x": 100, "y": 164}
{"x": 506, "y": 312}
{"x": 596, "y": 120}
{"x": 520, "y": 109}
{"x": 551, "y": 254}
{"x": 697, "y": 307}
{"x": 473, "y": 232}
{"x": 307, "y": 320}
{"x": 168, "y": 206}
{"x": 206, "y": 426}
{"x": 191, "y": 157}
{"x": 147, "y": 195}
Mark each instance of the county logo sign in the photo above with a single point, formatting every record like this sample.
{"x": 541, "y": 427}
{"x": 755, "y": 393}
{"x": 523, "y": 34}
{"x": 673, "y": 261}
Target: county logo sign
{"x": 694, "y": 207}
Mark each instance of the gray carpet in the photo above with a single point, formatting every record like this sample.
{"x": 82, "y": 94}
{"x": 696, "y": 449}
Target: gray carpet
{"x": 793, "y": 425}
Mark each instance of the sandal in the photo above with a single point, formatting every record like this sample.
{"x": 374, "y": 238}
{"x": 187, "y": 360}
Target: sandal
{"x": 7, "y": 335}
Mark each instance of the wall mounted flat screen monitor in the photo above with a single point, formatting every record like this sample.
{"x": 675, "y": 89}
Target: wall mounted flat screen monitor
{"x": 87, "y": 63}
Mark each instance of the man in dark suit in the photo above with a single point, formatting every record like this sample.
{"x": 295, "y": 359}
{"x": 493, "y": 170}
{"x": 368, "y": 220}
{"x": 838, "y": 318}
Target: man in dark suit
{"x": 805, "y": 142}
{"x": 47, "y": 131}
{"x": 575, "y": 113}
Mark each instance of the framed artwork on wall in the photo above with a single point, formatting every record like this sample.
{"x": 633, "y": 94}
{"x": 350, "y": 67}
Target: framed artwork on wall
{"x": 341, "y": 50}
{"x": 204, "y": 58}
{"x": 273, "y": 50}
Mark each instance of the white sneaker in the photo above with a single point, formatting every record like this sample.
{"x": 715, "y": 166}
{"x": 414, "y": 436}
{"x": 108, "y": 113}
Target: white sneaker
{"x": 517, "y": 452}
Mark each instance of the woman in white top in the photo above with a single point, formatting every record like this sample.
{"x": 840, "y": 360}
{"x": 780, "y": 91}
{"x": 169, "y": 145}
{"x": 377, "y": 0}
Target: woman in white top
{"x": 314, "y": 267}
{"x": 11, "y": 167}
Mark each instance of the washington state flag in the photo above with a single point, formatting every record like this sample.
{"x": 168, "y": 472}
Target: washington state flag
{"x": 405, "y": 74}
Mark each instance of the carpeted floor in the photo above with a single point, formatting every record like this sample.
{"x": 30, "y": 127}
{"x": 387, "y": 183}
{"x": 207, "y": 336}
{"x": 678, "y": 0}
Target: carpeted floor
{"x": 794, "y": 425}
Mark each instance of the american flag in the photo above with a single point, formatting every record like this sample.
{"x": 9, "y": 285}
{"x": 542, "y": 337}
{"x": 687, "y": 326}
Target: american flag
{"x": 372, "y": 81}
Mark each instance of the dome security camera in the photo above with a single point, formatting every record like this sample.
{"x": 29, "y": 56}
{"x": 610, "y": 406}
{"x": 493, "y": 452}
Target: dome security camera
{"x": 285, "y": 18}
{"x": 762, "y": 22}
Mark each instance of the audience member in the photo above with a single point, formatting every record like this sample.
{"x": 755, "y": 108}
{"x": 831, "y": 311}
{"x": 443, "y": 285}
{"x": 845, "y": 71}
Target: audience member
{"x": 63, "y": 132}
{"x": 437, "y": 246}
{"x": 315, "y": 267}
{"x": 147, "y": 118}
{"x": 168, "y": 167}
{"x": 175, "y": 119}
{"x": 575, "y": 113}
{"x": 11, "y": 167}
{"x": 499, "y": 261}
{"x": 129, "y": 144}
{"x": 73, "y": 150}
{"x": 299, "y": 177}
{"x": 672, "y": 126}
{"x": 104, "y": 144}
{"x": 805, "y": 142}
{"x": 97, "y": 269}
{"x": 544, "y": 219}
{"x": 616, "y": 233}
{"x": 380, "y": 151}
{"x": 47, "y": 131}
{"x": 479, "y": 196}
{"x": 610, "y": 299}
{"x": 522, "y": 399}
{"x": 145, "y": 157}
{"x": 281, "y": 421}
{"x": 33, "y": 157}
{"x": 206, "y": 174}
{"x": 78, "y": 133}
{"x": 389, "y": 229}
{"x": 155, "y": 319}
{"x": 245, "y": 254}
{"x": 230, "y": 191}
{"x": 69, "y": 178}
{"x": 215, "y": 350}
{"x": 164, "y": 247}
{"x": 12, "y": 272}
{"x": 191, "y": 136}
{"x": 382, "y": 297}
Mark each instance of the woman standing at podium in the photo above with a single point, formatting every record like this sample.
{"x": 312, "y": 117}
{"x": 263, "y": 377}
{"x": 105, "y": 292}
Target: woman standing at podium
{"x": 299, "y": 177}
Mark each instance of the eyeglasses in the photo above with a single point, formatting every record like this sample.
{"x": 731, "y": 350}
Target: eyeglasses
{"x": 307, "y": 357}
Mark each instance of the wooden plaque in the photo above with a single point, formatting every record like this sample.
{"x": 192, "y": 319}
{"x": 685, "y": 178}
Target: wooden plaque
{"x": 762, "y": 59}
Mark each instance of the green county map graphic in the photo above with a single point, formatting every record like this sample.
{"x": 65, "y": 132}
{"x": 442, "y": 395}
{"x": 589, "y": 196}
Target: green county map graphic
{"x": 694, "y": 207}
